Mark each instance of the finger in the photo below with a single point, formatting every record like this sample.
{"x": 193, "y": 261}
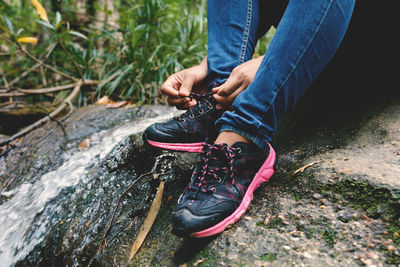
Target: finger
{"x": 178, "y": 101}
{"x": 229, "y": 86}
{"x": 187, "y": 85}
{"x": 169, "y": 88}
{"x": 192, "y": 103}
{"x": 228, "y": 100}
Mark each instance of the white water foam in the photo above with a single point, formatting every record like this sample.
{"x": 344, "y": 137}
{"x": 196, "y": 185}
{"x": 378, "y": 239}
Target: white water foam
{"x": 28, "y": 200}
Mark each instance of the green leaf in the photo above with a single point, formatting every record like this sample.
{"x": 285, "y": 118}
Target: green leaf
{"x": 19, "y": 31}
{"x": 78, "y": 34}
{"x": 46, "y": 24}
{"x": 58, "y": 18}
{"x": 9, "y": 25}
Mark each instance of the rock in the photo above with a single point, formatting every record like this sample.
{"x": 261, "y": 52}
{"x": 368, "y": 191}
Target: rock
{"x": 311, "y": 218}
{"x": 316, "y": 196}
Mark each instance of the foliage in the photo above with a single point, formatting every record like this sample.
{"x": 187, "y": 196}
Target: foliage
{"x": 136, "y": 43}
{"x": 129, "y": 46}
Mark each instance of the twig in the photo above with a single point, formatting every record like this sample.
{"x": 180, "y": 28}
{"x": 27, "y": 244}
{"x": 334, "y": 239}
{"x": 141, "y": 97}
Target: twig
{"x": 5, "y": 80}
{"x": 60, "y": 124}
{"x": 46, "y": 90}
{"x": 67, "y": 101}
{"x": 44, "y": 64}
{"x": 113, "y": 214}
{"x": 26, "y": 72}
{"x": 23, "y": 92}
{"x": 12, "y": 94}
{"x": 38, "y": 60}
{"x": 72, "y": 60}
{"x": 44, "y": 80}
{"x": 306, "y": 166}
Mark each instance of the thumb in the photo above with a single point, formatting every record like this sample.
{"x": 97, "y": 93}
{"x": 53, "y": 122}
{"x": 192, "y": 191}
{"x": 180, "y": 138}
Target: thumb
{"x": 231, "y": 84}
{"x": 186, "y": 86}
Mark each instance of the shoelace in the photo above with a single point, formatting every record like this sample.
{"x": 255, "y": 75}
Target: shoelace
{"x": 206, "y": 172}
{"x": 204, "y": 99}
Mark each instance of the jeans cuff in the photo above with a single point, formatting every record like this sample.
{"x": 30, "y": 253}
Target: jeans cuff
{"x": 260, "y": 142}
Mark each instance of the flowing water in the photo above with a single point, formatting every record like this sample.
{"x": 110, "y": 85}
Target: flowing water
{"x": 25, "y": 216}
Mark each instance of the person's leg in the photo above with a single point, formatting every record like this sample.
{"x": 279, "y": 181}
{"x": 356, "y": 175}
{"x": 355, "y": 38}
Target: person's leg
{"x": 228, "y": 173}
{"x": 306, "y": 39}
{"x": 234, "y": 26}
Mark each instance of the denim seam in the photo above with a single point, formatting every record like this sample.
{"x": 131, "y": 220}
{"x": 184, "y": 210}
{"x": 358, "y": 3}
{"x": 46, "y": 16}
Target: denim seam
{"x": 246, "y": 31}
{"x": 300, "y": 57}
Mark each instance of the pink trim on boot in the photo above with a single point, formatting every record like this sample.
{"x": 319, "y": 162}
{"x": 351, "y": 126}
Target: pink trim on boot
{"x": 188, "y": 147}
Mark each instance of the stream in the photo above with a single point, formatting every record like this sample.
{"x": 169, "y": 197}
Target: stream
{"x": 33, "y": 209}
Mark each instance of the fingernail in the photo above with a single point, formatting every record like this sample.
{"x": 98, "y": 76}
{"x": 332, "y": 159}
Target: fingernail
{"x": 184, "y": 91}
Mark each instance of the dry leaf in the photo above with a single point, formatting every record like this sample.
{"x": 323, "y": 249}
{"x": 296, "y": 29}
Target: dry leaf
{"x": 128, "y": 105}
{"x": 117, "y": 104}
{"x": 28, "y": 40}
{"x": 148, "y": 222}
{"x": 305, "y": 167}
{"x": 85, "y": 144}
{"x": 267, "y": 219}
{"x": 199, "y": 262}
{"x": 103, "y": 101}
{"x": 40, "y": 10}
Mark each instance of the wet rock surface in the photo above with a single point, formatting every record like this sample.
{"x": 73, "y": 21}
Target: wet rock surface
{"x": 341, "y": 209}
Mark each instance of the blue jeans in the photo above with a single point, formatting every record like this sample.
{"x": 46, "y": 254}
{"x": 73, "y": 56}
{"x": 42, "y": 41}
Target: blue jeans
{"x": 307, "y": 37}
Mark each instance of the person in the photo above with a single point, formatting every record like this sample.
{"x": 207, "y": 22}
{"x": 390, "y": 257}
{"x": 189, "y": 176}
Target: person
{"x": 231, "y": 121}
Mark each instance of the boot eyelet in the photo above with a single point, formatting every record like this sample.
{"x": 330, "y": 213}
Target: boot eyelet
{"x": 182, "y": 120}
{"x": 201, "y": 111}
{"x": 191, "y": 116}
{"x": 213, "y": 189}
{"x": 239, "y": 150}
{"x": 219, "y": 180}
{"x": 210, "y": 106}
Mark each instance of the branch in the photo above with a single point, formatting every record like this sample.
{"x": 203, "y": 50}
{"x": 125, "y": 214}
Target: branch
{"x": 67, "y": 102}
{"x": 46, "y": 90}
{"x": 102, "y": 242}
{"x": 23, "y": 92}
{"x": 37, "y": 65}
{"x": 12, "y": 94}
{"x": 72, "y": 60}
{"x": 38, "y": 60}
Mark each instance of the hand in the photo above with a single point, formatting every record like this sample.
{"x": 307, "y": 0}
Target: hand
{"x": 237, "y": 82}
{"x": 179, "y": 85}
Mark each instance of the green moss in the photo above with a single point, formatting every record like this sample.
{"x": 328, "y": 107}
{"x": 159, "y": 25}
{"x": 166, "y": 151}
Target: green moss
{"x": 209, "y": 256}
{"x": 392, "y": 258}
{"x": 275, "y": 223}
{"x": 378, "y": 202}
{"x": 309, "y": 232}
{"x": 329, "y": 236}
{"x": 260, "y": 224}
{"x": 321, "y": 221}
{"x": 268, "y": 257}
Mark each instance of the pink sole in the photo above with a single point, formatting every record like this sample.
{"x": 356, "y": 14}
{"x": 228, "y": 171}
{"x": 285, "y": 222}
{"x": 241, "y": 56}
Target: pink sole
{"x": 192, "y": 147}
{"x": 263, "y": 175}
